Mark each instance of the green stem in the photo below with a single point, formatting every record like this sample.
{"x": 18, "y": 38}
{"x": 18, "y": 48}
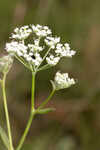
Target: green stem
{"x": 44, "y": 57}
{"x": 33, "y": 91}
{"x": 26, "y": 131}
{"x": 47, "y": 100}
{"x": 6, "y": 113}
{"x": 20, "y": 60}
{"x": 32, "y": 114}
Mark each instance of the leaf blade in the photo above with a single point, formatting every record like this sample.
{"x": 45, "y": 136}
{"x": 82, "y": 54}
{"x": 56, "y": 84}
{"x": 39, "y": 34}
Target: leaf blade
{"x": 45, "y": 110}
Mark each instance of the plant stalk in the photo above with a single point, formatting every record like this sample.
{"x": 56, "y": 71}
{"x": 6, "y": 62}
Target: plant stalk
{"x": 26, "y": 131}
{"x": 6, "y": 113}
{"x": 47, "y": 100}
{"x": 32, "y": 114}
{"x": 32, "y": 92}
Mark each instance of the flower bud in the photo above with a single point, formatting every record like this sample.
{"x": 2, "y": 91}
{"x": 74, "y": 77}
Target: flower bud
{"x": 6, "y": 63}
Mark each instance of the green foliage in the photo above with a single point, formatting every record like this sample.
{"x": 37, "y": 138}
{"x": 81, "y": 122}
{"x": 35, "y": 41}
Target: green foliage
{"x": 45, "y": 110}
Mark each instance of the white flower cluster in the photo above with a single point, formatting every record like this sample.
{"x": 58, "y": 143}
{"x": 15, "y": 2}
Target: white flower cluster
{"x": 14, "y": 47}
{"x": 64, "y": 50}
{"x": 52, "y": 60}
{"x": 31, "y": 52}
{"x": 21, "y": 33}
{"x": 51, "y": 41}
{"x": 60, "y": 50}
{"x": 41, "y": 31}
{"x": 62, "y": 81}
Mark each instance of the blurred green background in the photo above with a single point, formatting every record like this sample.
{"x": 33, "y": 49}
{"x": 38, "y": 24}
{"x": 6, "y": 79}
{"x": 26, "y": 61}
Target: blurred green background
{"x": 75, "y": 125}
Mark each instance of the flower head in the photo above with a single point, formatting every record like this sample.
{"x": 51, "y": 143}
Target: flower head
{"x": 33, "y": 52}
{"x": 62, "y": 81}
{"x": 17, "y": 48}
{"x": 21, "y": 33}
{"x": 64, "y": 50}
{"x": 51, "y": 41}
{"x": 52, "y": 60}
{"x": 41, "y": 31}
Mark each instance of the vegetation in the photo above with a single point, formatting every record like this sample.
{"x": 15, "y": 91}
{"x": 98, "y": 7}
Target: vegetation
{"x": 76, "y": 123}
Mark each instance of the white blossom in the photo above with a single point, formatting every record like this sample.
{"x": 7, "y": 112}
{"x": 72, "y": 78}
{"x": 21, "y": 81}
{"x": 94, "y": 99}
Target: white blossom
{"x": 52, "y": 60}
{"x": 27, "y": 57}
{"x": 64, "y": 50}
{"x": 34, "y": 60}
{"x": 41, "y": 31}
{"x": 51, "y": 41}
{"x": 15, "y": 47}
{"x": 21, "y": 33}
{"x": 62, "y": 81}
{"x": 32, "y": 51}
{"x": 35, "y": 47}
{"x": 37, "y": 60}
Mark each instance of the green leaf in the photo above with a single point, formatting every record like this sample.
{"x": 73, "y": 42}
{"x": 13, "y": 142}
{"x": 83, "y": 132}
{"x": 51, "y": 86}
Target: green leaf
{"x": 45, "y": 110}
{"x": 4, "y": 137}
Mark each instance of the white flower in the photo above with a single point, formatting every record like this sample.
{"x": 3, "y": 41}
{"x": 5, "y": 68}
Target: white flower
{"x": 27, "y": 57}
{"x": 15, "y": 47}
{"x": 62, "y": 81}
{"x": 37, "y": 59}
{"x": 54, "y": 40}
{"x": 34, "y": 59}
{"x": 51, "y": 41}
{"x": 31, "y": 52}
{"x": 21, "y": 33}
{"x": 35, "y": 47}
{"x": 51, "y": 60}
{"x": 41, "y": 31}
{"x": 36, "y": 42}
{"x": 64, "y": 50}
